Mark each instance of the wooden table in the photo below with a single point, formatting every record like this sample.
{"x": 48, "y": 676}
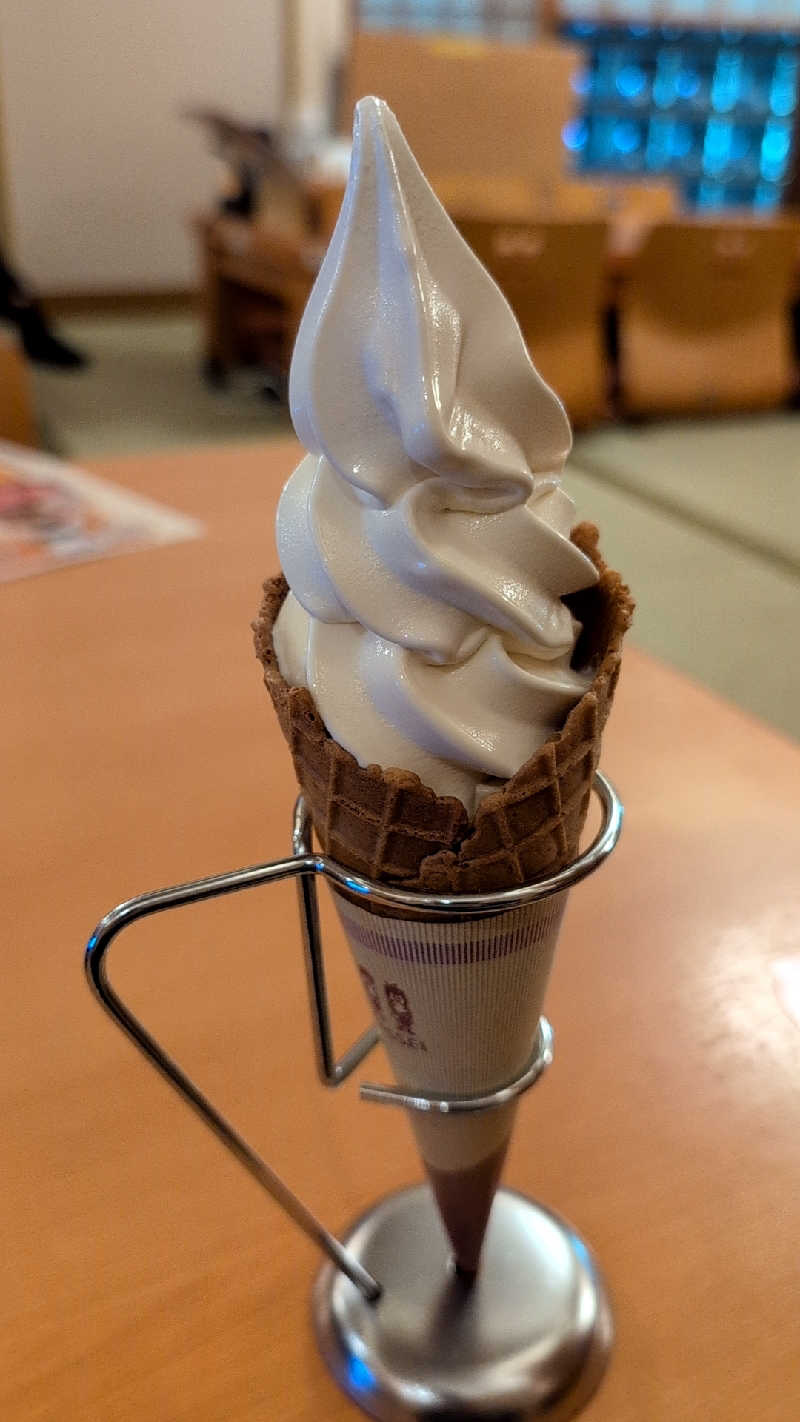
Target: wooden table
{"x": 144, "y": 1275}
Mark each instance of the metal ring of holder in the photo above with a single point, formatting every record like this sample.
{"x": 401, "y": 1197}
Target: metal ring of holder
{"x": 306, "y": 866}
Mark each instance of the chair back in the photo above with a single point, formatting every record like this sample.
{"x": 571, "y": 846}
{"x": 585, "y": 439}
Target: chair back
{"x": 553, "y": 276}
{"x": 328, "y": 201}
{"x": 705, "y": 317}
{"x": 644, "y": 201}
{"x": 498, "y": 198}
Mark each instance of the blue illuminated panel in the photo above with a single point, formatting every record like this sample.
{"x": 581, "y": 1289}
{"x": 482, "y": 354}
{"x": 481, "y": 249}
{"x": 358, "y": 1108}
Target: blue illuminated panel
{"x": 713, "y": 110}
{"x": 505, "y": 19}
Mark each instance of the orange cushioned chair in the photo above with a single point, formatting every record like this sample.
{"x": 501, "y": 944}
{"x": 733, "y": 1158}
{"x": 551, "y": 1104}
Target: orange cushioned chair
{"x": 705, "y": 318}
{"x": 553, "y": 275}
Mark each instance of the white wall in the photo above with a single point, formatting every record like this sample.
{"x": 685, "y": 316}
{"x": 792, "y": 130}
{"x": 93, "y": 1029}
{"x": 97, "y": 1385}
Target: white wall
{"x": 317, "y": 34}
{"x": 102, "y": 172}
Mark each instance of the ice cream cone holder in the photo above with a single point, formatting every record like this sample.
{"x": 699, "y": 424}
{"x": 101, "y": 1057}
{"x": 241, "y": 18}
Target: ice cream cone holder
{"x": 403, "y": 1332}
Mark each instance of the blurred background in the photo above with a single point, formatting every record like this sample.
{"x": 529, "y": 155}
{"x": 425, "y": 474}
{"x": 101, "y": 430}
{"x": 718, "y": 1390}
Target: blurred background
{"x": 170, "y": 172}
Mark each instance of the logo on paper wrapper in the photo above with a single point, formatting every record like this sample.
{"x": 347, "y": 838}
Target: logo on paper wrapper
{"x": 371, "y": 990}
{"x": 399, "y": 1023}
{"x": 399, "y": 1008}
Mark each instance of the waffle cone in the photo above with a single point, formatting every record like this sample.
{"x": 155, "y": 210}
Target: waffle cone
{"x": 385, "y": 824}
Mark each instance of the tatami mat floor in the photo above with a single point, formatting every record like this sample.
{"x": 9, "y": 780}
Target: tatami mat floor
{"x": 144, "y": 391}
{"x": 738, "y": 477}
{"x": 702, "y": 517}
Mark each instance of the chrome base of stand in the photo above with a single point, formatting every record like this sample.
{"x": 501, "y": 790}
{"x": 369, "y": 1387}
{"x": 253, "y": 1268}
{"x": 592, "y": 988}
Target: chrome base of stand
{"x": 528, "y": 1338}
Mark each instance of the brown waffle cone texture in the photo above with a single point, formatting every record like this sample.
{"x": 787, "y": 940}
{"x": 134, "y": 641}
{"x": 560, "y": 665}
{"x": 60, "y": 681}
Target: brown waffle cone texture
{"x": 387, "y": 825}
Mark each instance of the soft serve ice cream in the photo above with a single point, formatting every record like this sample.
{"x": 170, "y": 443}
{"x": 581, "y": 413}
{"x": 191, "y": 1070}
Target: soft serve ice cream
{"x": 425, "y": 536}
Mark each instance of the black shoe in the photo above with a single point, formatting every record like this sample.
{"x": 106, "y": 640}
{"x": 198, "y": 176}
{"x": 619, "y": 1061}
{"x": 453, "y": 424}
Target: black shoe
{"x": 41, "y": 345}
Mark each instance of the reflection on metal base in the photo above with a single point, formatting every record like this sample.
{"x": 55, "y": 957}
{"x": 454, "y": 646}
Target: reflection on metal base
{"x": 528, "y": 1338}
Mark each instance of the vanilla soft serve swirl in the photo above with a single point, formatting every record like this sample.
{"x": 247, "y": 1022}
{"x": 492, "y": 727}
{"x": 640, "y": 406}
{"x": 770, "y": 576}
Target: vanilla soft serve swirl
{"x": 425, "y": 537}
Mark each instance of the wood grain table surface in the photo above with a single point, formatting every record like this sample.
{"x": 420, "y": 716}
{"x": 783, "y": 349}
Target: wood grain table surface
{"x": 143, "y": 1273}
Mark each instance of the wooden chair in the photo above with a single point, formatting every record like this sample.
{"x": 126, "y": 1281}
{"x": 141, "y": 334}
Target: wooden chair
{"x": 255, "y": 286}
{"x": 643, "y": 201}
{"x": 327, "y": 199}
{"x": 705, "y": 320}
{"x": 496, "y": 197}
{"x": 552, "y": 274}
{"x": 17, "y": 421}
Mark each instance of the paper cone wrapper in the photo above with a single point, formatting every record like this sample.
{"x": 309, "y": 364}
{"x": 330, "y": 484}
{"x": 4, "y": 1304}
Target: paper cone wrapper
{"x": 457, "y": 1004}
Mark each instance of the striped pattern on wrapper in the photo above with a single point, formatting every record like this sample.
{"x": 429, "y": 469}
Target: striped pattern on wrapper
{"x": 457, "y": 1004}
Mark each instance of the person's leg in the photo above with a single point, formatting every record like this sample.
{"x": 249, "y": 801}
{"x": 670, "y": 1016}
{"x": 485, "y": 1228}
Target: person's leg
{"x": 39, "y": 341}
{"x": 10, "y": 290}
